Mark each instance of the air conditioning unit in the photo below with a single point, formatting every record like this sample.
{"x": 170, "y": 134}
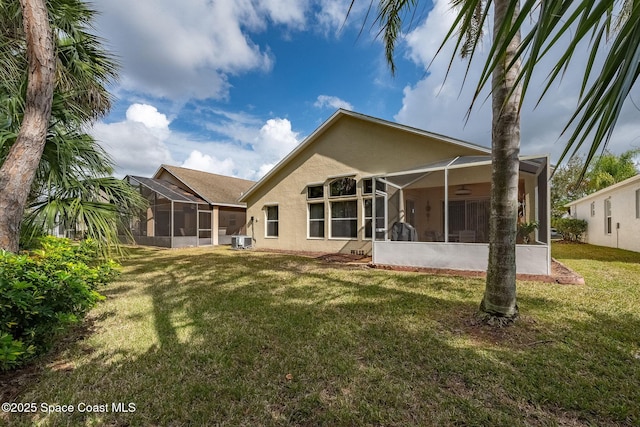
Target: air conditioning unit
{"x": 241, "y": 242}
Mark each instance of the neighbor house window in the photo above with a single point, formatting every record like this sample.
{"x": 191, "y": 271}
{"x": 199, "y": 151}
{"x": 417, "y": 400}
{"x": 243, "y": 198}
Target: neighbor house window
{"x": 316, "y": 220}
{"x": 271, "y": 212}
{"x": 593, "y": 208}
{"x": 638, "y": 203}
{"x": 607, "y": 216}
{"x": 342, "y": 187}
{"x": 344, "y": 219}
{"x": 315, "y": 191}
{"x": 367, "y": 186}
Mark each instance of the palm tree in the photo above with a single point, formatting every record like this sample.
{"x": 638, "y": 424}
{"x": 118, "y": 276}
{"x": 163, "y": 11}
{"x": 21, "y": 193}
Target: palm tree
{"x": 18, "y": 170}
{"x": 60, "y": 160}
{"x": 510, "y": 65}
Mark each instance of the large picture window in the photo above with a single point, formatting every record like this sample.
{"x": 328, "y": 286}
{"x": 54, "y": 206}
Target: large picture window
{"x": 342, "y": 187}
{"x": 316, "y": 220}
{"x": 344, "y": 219}
{"x": 272, "y": 221}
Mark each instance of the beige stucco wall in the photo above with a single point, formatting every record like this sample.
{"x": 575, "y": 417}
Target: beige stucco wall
{"x": 352, "y": 147}
{"x": 623, "y": 212}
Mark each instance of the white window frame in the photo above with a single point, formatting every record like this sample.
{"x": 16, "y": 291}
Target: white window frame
{"x": 608, "y": 220}
{"x": 341, "y": 199}
{"x": 344, "y": 196}
{"x": 365, "y": 217}
{"x": 593, "y": 209}
{"x": 317, "y": 184}
{"x": 268, "y": 221}
{"x": 310, "y": 220}
{"x": 383, "y": 187}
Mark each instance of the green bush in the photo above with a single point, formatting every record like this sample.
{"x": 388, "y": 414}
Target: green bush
{"x": 45, "y": 291}
{"x": 571, "y": 229}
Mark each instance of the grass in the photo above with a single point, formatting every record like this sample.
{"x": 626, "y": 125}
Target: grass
{"x": 218, "y": 337}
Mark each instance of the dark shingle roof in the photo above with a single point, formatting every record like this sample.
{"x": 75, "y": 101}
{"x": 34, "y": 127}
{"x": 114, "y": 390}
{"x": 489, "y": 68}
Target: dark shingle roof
{"x": 216, "y": 189}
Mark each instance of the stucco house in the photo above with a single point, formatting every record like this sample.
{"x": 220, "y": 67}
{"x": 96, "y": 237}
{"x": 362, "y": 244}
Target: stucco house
{"x": 612, "y": 214}
{"x": 405, "y": 196}
{"x": 189, "y": 208}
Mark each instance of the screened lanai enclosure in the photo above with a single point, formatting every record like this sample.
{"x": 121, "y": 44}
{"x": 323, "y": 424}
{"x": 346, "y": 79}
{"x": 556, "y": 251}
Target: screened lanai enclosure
{"x": 176, "y": 218}
{"x": 437, "y": 216}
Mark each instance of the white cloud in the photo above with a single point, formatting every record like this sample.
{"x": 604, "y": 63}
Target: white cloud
{"x": 276, "y": 140}
{"x": 440, "y": 105}
{"x": 209, "y": 163}
{"x": 143, "y": 141}
{"x": 333, "y": 102}
{"x": 138, "y": 144}
{"x": 147, "y": 115}
{"x": 187, "y": 49}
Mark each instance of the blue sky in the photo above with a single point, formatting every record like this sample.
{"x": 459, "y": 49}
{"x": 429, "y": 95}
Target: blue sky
{"x": 232, "y": 86}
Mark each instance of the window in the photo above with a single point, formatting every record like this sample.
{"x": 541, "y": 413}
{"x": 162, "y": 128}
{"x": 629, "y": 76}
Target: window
{"x": 344, "y": 219}
{"x": 607, "y": 216}
{"x": 316, "y": 220}
{"x": 271, "y": 213}
{"x": 367, "y": 186}
{"x": 638, "y": 203}
{"x": 593, "y": 208}
{"x": 342, "y": 187}
{"x": 368, "y": 217}
{"x": 315, "y": 191}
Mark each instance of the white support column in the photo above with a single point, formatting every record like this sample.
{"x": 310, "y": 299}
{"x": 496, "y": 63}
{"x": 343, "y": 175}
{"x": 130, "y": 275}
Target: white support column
{"x": 172, "y": 224}
{"x": 215, "y": 224}
{"x": 446, "y": 205}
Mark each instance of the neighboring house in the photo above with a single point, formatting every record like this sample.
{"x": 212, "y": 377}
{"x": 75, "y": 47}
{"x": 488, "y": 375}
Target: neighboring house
{"x": 322, "y": 197}
{"x": 189, "y": 208}
{"x": 613, "y": 215}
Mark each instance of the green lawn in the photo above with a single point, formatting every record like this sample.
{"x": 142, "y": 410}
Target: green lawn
{"x": 232, "y": 338}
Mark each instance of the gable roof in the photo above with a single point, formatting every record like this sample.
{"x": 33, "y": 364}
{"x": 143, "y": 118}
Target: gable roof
{"x": 215, "y": 189}
{"x": 606, "y": 190}
{"x": 337, "y": 116}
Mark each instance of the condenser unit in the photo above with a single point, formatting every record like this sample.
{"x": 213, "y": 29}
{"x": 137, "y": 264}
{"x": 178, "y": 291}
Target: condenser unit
{"x": 241, "y": 242}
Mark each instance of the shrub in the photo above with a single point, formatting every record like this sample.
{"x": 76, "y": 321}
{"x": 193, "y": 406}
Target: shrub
{"x": 45, "y": 291}
{"x": 571, "y": 229}
{"x": 525, "y": 229}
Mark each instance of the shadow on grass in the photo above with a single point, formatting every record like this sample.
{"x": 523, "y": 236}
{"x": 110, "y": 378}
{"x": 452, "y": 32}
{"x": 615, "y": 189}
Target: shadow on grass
{"x": 262, "y": 339}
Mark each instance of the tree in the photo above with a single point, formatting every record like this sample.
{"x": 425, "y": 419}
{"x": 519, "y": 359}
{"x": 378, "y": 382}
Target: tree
{"x": 510, "y": 65}
{"x": 567, "y": 186}
{"x": 499, "y": 299}
{"x": 605, "y": 170}
{"x": 71, "y": 178}
{"x": 609, "y": 169}
{"x": 19, "y": 167}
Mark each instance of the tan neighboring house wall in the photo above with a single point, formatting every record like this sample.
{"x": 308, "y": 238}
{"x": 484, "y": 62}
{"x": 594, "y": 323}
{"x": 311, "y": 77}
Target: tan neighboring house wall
{"x": 347, "y": 145}
{"x": 624, "y": 201}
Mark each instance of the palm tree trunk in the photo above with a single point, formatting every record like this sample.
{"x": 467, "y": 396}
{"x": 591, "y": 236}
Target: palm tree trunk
{"x": 500, "y": 292}
{"x": 20, "y": 166}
